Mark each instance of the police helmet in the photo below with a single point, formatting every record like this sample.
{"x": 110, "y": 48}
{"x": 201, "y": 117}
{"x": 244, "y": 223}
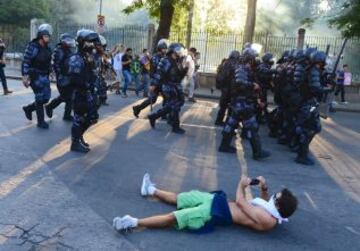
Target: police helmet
{"x": 318, "y": 57}
{"x": 268, "y": 58}
{"x": 309, "y": 51}
{"x": 299, "y": 55}
{"x": 162, "y": 44}
{"x": 249, "y": 55}
{"x": 176, "y": 48}
{"x": 88, "y": 36}
{"x": 284, "y": 57}
{"x": 68, "y": 40}
{"x": 44, "y": 29}
{"x": 235, "y": 54}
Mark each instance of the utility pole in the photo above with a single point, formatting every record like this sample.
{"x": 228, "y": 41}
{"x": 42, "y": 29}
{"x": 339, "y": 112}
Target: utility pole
{"x": 100, "y": 11}
{"x": 189, "y": 24}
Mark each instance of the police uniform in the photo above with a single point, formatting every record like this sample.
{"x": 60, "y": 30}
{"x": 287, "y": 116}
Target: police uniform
{"x": 243, "y": 108}
{"x": 154, "y": 62}
{"x": 82, "y": 71}
{"x": 228, "y": 73}
{"x": 36, "y": 66}
{"x": 61, "y": 57}
{"x": 168, "y": 77}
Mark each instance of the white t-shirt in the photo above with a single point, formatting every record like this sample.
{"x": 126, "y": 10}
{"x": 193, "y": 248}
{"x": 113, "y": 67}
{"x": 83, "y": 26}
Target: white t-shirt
{"x": 189, "y": 62}
{"x": 347, "y": 78}
{"x": 117, "y": 61}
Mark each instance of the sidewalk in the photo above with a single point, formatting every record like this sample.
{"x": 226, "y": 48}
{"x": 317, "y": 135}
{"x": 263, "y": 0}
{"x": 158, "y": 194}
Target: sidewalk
{"x": 206, "y": 93}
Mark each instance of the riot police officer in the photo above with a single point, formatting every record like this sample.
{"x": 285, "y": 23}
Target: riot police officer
{"x": 154, "y": 62}
{"x": 264, "y": 77}
{"x": 224, "y": 78}
{"x": 61, "y": 56}
{"x": 36, "y": 68}
{"x": 276, "y": 116}
{"x": 102, "y": 66}
{"x": 82, "y": 71}
{"x": 243, "y": 107}
{"x": 307, "y": 123}
{"x": 169, "y": 75}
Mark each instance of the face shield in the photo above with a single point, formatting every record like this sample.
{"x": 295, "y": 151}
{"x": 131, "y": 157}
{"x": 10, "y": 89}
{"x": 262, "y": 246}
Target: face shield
{"x": 257, "y": 48}
{"x": 70, "y": 42}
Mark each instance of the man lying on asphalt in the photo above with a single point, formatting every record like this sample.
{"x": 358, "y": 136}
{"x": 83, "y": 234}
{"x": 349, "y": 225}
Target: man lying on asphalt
{"x": 200, "y": 211}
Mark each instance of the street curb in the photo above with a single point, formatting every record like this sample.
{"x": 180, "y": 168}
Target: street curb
{"x": 213, "y": 97}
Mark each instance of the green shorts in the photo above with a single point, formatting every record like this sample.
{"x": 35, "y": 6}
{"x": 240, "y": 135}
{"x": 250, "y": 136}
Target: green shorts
{"x": 194, "y": 209}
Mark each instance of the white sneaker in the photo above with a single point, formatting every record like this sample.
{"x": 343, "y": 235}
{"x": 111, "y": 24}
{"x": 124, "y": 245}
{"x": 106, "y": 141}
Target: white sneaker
{"x": 147, "y": 188}
{"x": 345, "y": 103}
{"x": 115, "y": 220}
{"x": 124, "y": 223}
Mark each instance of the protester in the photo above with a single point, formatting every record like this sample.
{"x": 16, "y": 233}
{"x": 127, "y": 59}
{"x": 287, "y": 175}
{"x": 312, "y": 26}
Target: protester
{"x": 126, "y": 62}
{"x": 145, "y": 71}
{"x": 135, "y": 69}
{"x": 117, "y": 64}
{"x": 201, "y": 211}
{"x": 340, "y": 82}
{"x": 196, "y": 73}
{"x": 189, "y": 78}
{"x": 2, "y": 66}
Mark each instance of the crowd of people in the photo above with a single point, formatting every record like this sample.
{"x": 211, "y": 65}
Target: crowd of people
{"x": 81, "y": 75}
{"x": 299, "y": 82}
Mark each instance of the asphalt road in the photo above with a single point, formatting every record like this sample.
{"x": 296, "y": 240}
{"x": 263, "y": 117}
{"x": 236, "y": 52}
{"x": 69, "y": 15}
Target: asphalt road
{"x": 53, "y": 199}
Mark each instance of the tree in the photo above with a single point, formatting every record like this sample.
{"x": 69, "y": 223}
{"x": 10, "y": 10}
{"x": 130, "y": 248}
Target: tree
{"x": 190, "y": 23}
{"x": 250, "y": 21}
{"x": 19, "y": 12}
{"x": 163, "y": 11}
{"x": 348, "y": 21}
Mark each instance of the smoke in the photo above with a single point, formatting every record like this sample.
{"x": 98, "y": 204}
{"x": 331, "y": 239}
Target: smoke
{"x": 86, "y": 11}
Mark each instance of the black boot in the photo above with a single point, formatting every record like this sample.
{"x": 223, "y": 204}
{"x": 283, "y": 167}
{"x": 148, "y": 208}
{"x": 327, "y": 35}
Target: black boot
{"x": 28, "y": 110}
{"x": 138, "y": 108}
{"x": 154, "y": 116}
{"x": 40, "y": 117}
{"x": 77, "y": 146}
{"x": 303, "y": 155}
{"x": 225, "y": 146}
{"x": 244, "y": 134}
{"x": 67, "y": 113}
{"x": 82, "y": 141}
{"x": 176, "y": 124}
{"x": 52, "y": 105}
{"x": 220, "y": 117}
{"x": 83, "y": 129}
{"x": 258, "y": 153}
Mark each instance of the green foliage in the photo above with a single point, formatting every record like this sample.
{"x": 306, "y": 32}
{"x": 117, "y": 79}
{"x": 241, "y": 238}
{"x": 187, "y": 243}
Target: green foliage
{"x": 348, "y": 21}
{"x": 308, "y": 22}
{"x": 20, "y": 12}
{"x": 153, "y": 7}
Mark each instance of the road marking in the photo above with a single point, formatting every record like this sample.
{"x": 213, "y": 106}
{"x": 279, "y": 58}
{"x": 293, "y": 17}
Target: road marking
{"x": 352, "y": 230}
{"x": 311, "y": 201}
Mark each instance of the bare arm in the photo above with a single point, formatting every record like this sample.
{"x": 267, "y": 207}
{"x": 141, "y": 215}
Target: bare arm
{"x": 241, "y": 201}
{"x": 263, "y": 188}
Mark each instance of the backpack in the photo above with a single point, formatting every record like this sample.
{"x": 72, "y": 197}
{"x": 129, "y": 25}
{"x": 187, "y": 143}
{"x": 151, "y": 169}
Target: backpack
{"x": 221, "y": 75}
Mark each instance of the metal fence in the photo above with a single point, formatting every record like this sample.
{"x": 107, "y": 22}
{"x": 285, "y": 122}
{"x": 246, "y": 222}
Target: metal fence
{"x": 15, "y": 38}
{"x": 130, "y": 36}
{"x": 213, "y": 47}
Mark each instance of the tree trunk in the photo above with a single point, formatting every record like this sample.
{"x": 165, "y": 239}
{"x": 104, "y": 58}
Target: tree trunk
{"x": 250, "y": 21}
{"x": 189, "y": 24}
{"x": 166, "y": 16}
